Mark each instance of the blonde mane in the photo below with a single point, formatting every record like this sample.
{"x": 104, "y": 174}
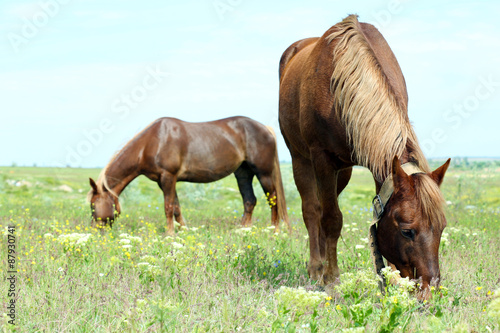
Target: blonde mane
{"x": 102, "y": 180}
{"x": 376, "y": 121}
{"x": 430, "y": 199}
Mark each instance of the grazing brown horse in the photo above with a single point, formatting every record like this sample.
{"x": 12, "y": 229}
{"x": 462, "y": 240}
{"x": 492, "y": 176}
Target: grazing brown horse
{"x": 170, "y": 150}
{"x": 343, "y": 102}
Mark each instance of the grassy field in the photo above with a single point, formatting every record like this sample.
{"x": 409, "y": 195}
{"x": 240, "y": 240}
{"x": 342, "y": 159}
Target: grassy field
{"x": 215, "y": 276}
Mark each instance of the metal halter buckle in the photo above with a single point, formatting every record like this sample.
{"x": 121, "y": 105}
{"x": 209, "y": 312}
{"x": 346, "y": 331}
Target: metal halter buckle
{"x": 375, "y": 201}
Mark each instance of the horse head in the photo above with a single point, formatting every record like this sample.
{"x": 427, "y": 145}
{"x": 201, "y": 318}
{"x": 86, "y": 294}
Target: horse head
{"x": 104, "y": 205}
{"x": 409, "y": 231}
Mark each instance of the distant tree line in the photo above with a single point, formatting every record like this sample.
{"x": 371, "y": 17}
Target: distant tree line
{"x": 465, "y": 163}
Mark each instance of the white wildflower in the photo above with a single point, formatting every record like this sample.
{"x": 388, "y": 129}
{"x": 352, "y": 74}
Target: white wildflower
{"x": 83, "y": 239}
{"x": 149, "y": 259}
{"x": 406, "y": 284}
{"x": 177, "y": 245}
{"x": 74, "y": 239}
{"x": 494, "y": 306}
{"x": 390, "y": 274}
{"x": 243, "y": 230}
{"x": 299, "y": 299}
{"x": 135, "y": 239}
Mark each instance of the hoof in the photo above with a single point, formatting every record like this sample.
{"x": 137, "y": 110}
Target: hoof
{"x": 316, "y": 272}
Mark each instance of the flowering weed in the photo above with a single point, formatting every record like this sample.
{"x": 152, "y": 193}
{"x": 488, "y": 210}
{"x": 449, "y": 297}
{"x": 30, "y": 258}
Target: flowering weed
{"x": 216, "y": 276}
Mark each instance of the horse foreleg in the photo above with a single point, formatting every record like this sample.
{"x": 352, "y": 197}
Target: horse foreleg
{"x": 244, "y": 177}
{"x": 168, "y": 187}
{"x": 327, "y": 182}
{"x": 311, "y": 211}
{"x": 177, "y": 211}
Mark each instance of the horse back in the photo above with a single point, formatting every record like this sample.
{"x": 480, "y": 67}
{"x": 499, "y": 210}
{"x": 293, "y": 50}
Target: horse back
{"x": 206, "y": 151}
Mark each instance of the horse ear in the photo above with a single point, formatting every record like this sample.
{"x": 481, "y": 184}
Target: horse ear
{"x": 438, "y": 174}
{"x": 93, "y": 185}
{"x": 400, "y": 179}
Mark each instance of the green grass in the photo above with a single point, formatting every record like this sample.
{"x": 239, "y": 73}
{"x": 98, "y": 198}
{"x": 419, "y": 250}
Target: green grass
{"x": 218, "y": 277}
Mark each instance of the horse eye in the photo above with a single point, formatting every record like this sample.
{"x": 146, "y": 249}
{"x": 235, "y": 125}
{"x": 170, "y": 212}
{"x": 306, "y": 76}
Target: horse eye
{"x": 408, "y": 233}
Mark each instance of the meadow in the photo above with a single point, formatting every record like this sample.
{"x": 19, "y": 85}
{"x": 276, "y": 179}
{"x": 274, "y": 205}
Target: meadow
{"x": 215, "y": 276}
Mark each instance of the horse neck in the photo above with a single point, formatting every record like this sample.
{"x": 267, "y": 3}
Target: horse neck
{"x": 122, "y": 170}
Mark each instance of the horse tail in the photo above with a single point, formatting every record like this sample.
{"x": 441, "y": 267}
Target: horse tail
{"x": 278, "y": 183}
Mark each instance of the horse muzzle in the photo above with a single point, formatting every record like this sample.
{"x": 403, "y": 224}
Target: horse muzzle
{"x": 101, "y": 223}
{"x": 425, "y": 278}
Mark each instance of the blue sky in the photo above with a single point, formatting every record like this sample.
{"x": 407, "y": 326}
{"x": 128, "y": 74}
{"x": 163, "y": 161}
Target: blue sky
{"x": 80, "y": 77}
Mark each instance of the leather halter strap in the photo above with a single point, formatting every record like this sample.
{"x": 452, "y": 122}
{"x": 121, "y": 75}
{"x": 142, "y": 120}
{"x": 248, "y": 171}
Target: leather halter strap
{"x": 379, "y": 202}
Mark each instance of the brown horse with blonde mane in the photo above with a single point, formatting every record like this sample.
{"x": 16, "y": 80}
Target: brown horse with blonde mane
{"x": 170, "y": 150}
{"x": 343, "y": 102}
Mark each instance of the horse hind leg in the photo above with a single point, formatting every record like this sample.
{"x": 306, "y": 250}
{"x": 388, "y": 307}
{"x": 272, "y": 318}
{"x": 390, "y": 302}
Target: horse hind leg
{"x": 177, "y": 211}
{"x": 167, "y": 184}
{"x": 244, "y": 176}
{"x": 269, "y": 188}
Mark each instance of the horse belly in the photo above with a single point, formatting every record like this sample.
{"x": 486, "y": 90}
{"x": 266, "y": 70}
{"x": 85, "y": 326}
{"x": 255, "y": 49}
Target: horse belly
{"x": 210, "y": 161}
